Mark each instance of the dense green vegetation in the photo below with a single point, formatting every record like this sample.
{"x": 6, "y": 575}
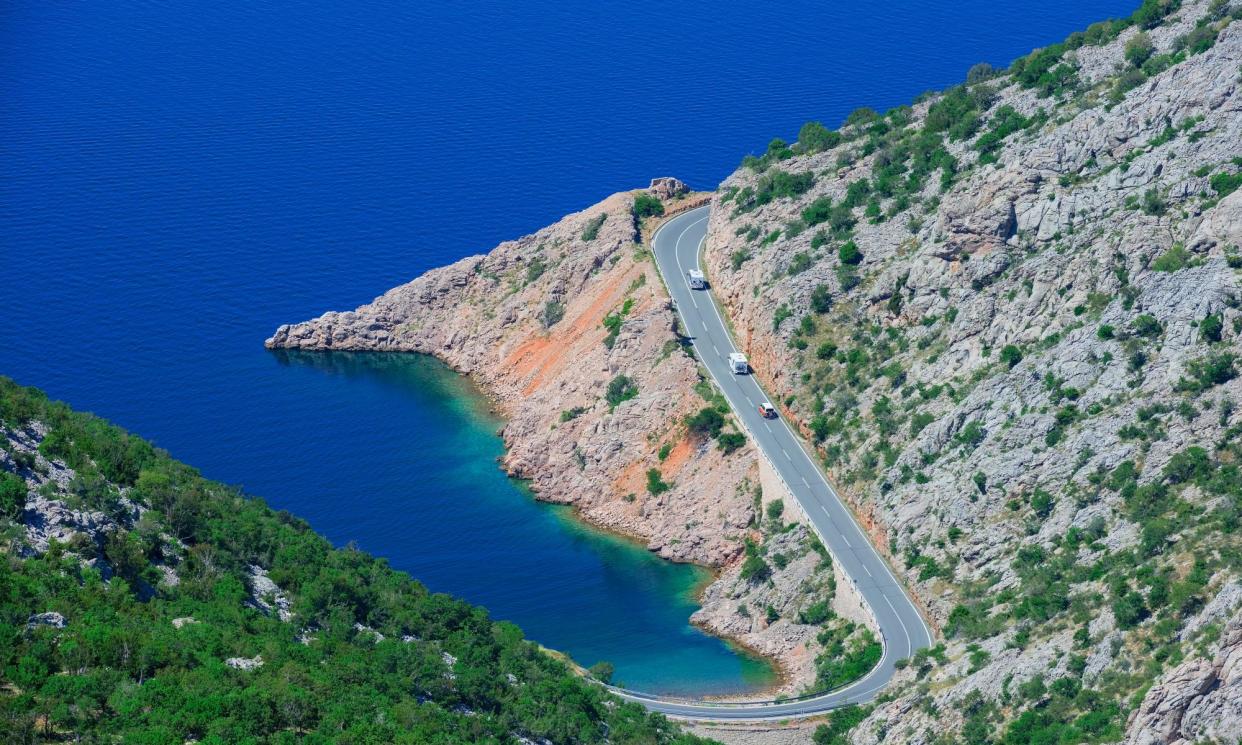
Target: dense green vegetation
{"x": 591, "y": 231}
{"x": 620, "y": 389}
{"x": 121, "y": 671}
{"x": 647, "y": 205}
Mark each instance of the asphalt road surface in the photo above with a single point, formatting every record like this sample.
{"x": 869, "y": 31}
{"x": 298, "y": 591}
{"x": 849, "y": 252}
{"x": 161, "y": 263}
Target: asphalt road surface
{"x": 677, "y": 245}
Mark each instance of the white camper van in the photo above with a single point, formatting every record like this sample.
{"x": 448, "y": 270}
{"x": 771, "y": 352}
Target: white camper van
{"x": 696, "y": 279}
{"x": 738, "y": 363}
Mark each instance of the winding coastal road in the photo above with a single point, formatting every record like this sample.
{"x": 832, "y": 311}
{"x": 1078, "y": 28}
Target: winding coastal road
{"x": 677, "y": 245}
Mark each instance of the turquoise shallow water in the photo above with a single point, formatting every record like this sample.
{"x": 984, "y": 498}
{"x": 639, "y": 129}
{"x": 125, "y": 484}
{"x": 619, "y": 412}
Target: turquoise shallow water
{"x": 441, "y": 508}
{"x": 177, "y": 179}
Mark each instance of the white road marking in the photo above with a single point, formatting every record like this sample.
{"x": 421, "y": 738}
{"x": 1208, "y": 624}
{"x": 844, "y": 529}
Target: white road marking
{"x": 903, "y": 623}
{"x": 869, "y": 574}
{"x": 786, "y": 452}
{"x": 714, "y": 349}
{"x": 804, "y": 482}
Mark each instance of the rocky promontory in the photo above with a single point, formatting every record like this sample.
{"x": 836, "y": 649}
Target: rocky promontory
{"x": 570, "y": 331}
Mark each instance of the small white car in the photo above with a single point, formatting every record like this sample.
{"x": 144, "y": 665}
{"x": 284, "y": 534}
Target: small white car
{"x": 738, "y": 364}
{"x": 696, "y": 280}
{"x": 767, "y": 410}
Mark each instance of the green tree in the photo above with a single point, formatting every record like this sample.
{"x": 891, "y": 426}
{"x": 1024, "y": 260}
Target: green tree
{"x": 849, "y": 253}
{"x": 706, "y": 421}
{"x": 1139, "y": 49}
{"x": 12, "y": 495}
{"x": 821, "y": 299}
{"x": 602, "y": 671}
{"x": 730, "y": 441}
{"x": 621, "y": 388}
{"x": 815, "y": 137}
{"x": 1211, "y": 327}
{"x": 647, "y": 205}
{"x": 1010, "y": 355}
{"x": 656, "y": 485}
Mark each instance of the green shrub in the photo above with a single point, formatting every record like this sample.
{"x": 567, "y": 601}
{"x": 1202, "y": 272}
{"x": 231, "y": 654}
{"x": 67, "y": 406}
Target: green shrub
{"x": 1139, "y": 49}
{"x": 1208, "y": 372}
{"x": 815, "y": 613}
{"x": 826, "y": 351}
{"x": 1042, "y": 503}
{"x": 775, "y": 184}
{"x": 1146, "y": 325}
{"x": 848, "y": 277}
{"x": 1211, "y": 328}
{"x": 821, "y": 299}
{"x": 1005, "y": 122}
{"x": 730, "y": 441}
{"x": 663, "y": 453}
{"x": 840, "y": 722}
{"x": 800, "y": 263}
{"x": 815, "y": 137}
{"x": 818, "y": 211}
{"x": 553, "y": 312}
{"x": 956, "y": 113}
{"x": 647, "y": 205}
{"x": 535, "y": 269}
{"x": 12, "y": 495}
{"x": 849, "y": 253}
{"x": 980, "y": 72}
{"x": 861, "y": 115}
{"x": 739, "y": 257}
{"x": 1152, "y": 12}
{"x": 602, "y": 671}
{"x": 1010, "y": 355}
{"x": 972, "y": 434}
{"x": 591, "y": 231}
{"x": 1153, "y": 203}
{"x": 620, "y": 389}
{"x": 754, "y": 567}
{"x": 656, "y": 485}
{"x": 780, "y": 316}
{"x": 708, "y": 421}
{"x": 1176, "y": 258}
{"x": 571, "y": 414}
{"x": 1225, "y": 184}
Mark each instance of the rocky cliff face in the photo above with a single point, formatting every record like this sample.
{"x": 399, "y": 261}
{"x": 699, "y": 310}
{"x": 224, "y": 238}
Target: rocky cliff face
{"x": 1008, "y": 317}
{"x": 570, "y": 330}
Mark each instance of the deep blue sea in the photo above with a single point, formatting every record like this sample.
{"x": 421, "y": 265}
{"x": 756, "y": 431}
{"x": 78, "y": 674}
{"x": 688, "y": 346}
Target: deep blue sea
{"x": 176, "y": 179}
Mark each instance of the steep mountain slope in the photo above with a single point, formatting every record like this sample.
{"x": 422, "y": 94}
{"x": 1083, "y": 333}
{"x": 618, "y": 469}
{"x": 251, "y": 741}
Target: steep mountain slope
{"x": 1008, "y": 318}
{"x": 142, "y": 603}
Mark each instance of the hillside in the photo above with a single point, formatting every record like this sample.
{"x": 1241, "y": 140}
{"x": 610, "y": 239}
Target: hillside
{"x": 145, "y": 604}
{"x": 1007, "y": 316}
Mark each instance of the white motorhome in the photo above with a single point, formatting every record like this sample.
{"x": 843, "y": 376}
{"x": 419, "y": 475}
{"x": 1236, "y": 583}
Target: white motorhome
{"x": 696, "y": 279}
{"x": 738, "y": 363}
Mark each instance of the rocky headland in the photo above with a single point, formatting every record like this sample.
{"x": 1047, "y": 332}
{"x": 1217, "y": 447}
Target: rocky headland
{"x": 570, "y": 331}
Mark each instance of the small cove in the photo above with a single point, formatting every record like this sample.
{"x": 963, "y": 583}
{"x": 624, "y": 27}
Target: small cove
{"x": 473, "y": 530}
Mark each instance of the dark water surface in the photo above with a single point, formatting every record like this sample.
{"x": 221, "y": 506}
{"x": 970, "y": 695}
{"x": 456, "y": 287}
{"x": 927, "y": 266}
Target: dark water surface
{"x": 177, "y": 179}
